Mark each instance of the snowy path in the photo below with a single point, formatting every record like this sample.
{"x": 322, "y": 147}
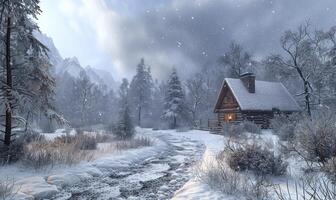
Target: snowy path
{"x": 156, "y": 176}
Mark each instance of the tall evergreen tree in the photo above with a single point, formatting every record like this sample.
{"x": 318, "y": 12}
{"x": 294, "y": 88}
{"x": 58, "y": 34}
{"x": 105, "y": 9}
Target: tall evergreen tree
{"x": 25, "y": 75}
{"x": 125, "y": 128}
{"x": 141, "y": 89}
{"x": 175, "y": 100}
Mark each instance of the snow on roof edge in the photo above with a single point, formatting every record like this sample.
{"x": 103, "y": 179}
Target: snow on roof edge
{"x": 295, "y": 106}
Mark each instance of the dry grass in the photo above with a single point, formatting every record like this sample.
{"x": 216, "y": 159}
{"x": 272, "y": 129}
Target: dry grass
{"x": 121, "y": 145}
{"x": 72, "y": 149}
{"x": 219, "y": 176}
{"x": 68, "y": 150}
{"x": 7, "y": 191}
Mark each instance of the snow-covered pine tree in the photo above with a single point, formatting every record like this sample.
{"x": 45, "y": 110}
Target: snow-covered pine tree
{"x": 25, "y": 67}
{"x": 124, "y": 128}
{"x": 141, "y": 89}
{"x": 159, "y": 93}
{"x": 175, "y": 100}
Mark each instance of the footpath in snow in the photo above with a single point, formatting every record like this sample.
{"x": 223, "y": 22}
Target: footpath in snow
{"x": 155, "y": 172}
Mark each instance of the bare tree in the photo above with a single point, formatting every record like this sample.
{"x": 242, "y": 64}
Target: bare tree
{"x": 237, "y": 60}
{"x": 197, "y": 91}
{"x": 300, "y": 59}
{"x": 84, "y": 87}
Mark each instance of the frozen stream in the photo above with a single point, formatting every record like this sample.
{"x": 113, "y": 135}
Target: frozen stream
{"x": 156, "y": 177}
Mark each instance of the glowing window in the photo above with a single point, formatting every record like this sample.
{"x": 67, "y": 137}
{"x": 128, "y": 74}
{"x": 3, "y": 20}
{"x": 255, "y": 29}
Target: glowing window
{"x": 228, "y": 117}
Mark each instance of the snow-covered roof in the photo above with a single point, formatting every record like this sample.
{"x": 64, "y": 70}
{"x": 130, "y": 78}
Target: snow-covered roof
{"x": 267, "y": 96}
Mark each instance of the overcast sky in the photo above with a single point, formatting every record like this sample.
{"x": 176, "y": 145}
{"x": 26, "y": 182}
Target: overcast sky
{"x": 187, "y": 34}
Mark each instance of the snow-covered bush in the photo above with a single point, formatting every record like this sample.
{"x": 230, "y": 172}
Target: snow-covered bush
{"x": 284, "y": 126}
{"x": 330, "y": 169}
{"x": 311, "y": 187}
{"x": 250, "y": 127}
{"x": 253, "y": 157}
{"x": 220, "y": 177}
{"x": 233, "y": 129}
{"x": 7, "y": 189}
{"x": 315, "y": 139}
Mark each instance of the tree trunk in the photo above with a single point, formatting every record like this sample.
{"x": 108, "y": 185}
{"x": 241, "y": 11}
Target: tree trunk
{"x": 306, "y": 88}
{"x": 139, "y": 116}
{"x": 8, "y": 126}
{"x": 307, "y": 98}
{"x": 174, "y": 124}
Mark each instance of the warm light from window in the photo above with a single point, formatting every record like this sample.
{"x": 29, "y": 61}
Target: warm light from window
{"x": 230, "y": 117}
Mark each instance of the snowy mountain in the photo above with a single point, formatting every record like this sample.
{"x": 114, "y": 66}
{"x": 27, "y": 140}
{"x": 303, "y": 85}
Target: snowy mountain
{"x": 101, "y": 76}
{"x": 54, "y": 55}
{"x": 72, "y": 65}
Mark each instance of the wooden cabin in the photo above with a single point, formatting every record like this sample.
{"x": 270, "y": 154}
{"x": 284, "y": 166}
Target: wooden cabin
{"x": 253, "y": 100}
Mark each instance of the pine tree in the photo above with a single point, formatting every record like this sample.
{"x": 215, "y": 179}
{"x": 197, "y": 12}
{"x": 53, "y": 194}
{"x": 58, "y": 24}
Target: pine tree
{"x": 141, "y": 89}
{"x": 25, "y": 77}
{"x": 124, "y": 128}
{"x": 175, "y": 100}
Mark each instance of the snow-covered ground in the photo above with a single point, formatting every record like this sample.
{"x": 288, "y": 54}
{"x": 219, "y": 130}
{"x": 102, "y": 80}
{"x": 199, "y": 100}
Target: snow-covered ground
{"x": 154, "y": 172}
{"x": 161, "y": 171}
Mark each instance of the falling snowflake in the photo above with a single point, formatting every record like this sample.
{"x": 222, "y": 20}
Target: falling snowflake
{"x": 273, "y": 11}
{"x": 192, "y": 17}
{"x": 163, "y": 18}
{"x": 179, "y": 44}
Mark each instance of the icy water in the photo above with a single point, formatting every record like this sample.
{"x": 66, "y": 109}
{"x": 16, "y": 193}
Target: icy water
{"x": 154, "y": 178}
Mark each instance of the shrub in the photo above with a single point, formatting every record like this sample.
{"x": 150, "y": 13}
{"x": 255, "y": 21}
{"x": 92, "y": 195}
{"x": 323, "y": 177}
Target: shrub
{"x": 232, "y": 129}
{"x": 7, "y": 189}
{"x": 66, "y": 149}
{"x": 250, "y": 127}
{"x": 16, "y": 148}
{"x": 218, "y": 176}
{"x": 284, "y": 126}
{"x": 81, "y": 141}
{"x": 315, "y": 139}
{"x": 317, "y": 188}
{"x": 46, "y": 154}
{"x": 330, "y": 169}
{"x": 254, "y": 158}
